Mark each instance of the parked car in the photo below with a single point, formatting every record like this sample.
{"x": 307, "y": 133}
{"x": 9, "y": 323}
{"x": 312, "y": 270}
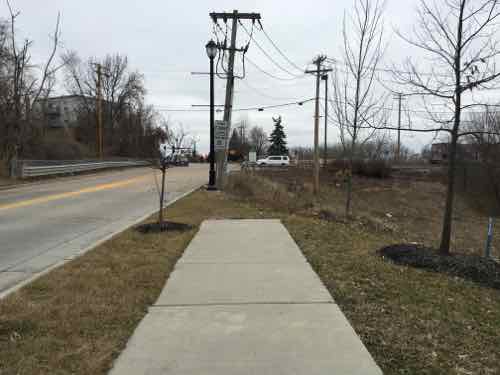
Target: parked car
{"x": 179, "y": 160}
{"x": 274, "y": 161}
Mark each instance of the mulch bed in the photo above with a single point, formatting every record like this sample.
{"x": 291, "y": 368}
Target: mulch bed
{"x": 165, "y": 227}
{"x": 470, "y": 267}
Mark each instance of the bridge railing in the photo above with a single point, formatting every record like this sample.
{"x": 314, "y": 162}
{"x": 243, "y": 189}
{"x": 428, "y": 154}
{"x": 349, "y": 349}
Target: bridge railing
{"x": 36, "y": 168}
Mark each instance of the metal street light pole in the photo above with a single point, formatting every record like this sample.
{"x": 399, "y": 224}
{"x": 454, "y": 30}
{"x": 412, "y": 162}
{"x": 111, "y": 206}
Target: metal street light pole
{"x": 212, "y": 50}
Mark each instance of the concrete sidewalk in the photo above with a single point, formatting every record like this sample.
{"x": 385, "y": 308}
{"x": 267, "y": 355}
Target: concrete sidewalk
{"x": 243, "y": 300}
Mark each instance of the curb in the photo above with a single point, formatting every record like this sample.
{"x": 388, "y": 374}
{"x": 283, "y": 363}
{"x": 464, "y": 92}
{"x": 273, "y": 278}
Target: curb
{"x": 32, "y": 278}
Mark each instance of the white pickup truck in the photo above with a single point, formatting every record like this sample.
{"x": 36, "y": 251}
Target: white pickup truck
{"x": 273, "y": 161}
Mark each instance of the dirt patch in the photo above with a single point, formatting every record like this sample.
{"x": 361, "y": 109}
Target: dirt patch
{"x": 469, "y": 267}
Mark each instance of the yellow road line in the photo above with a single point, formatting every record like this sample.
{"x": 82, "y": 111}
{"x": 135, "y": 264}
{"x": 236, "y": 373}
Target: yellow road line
{"x": 93, "y": 189}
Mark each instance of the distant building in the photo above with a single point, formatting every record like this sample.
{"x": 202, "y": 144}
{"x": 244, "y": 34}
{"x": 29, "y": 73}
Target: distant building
{"x": 440, "y": 152}
{"x": 62, "y": 111}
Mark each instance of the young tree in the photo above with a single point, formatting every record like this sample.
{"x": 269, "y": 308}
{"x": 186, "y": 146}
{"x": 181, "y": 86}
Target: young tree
{"x": 277, "y": 139}
{"x": 356, "y": 105}
{"x": 258, "y": 140}
{"x": 461, "y": 40}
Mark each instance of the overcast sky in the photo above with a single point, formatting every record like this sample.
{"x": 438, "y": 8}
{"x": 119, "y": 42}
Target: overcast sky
{"x": 165, "y": 41}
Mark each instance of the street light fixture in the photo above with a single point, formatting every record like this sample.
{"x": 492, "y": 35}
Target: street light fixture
{"x": 212, "y": 50}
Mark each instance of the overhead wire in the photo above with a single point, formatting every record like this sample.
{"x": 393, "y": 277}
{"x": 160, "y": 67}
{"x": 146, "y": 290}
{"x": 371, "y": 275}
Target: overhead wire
{"x": 261, "y": 93}
{"x": 253, "y": 108}
{"x": 255, "y": 65}
{"x": 279, "y": 49}
{"x": 267, "y": 54}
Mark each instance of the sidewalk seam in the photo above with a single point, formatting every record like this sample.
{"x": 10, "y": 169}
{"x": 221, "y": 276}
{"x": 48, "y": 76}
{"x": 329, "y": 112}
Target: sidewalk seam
{"x": 244, "y": 304}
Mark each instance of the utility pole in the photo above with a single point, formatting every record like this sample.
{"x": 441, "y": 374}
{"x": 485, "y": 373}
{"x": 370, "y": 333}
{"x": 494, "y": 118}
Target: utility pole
{"x": 399, "y": 97}
{"x": 242, "y": 128}
{"x": 228, "y": 104}
{"x": 99, "y": 142}
{"x": 318, "y": 71}
{"x": 325, "y": 151}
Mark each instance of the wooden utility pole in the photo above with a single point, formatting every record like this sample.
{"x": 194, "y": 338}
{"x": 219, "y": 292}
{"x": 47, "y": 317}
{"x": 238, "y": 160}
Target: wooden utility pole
{"x": 318, "y": 71}
{"x": 99, "y": 142}
{"x": 228, "y": 104}
{"x": 325, "y": 151}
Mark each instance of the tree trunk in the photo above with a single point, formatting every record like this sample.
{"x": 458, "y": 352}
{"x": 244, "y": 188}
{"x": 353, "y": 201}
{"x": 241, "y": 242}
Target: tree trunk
{"x": 162, "y": 196}
{"x": 349, "y": 193}
{"x": 444, "y": 248}
{"x": 349, "y": 177}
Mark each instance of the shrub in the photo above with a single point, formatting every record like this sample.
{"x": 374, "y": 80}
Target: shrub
{"x": 373, "y": 169}
{"x": 269, "y": 193}
{"x": 365, "y": 168}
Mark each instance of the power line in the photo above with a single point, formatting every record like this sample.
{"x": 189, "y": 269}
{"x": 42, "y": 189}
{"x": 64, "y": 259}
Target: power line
{"x": 267, "y": 54}
{"x": 261, "y": 108}
{"x": 261, "y": 93}
{"x": 386, "y": 70}
{"x": 270, "y": 74}
{"x": 278, "y": 49}
{"x": 254, "y": 108}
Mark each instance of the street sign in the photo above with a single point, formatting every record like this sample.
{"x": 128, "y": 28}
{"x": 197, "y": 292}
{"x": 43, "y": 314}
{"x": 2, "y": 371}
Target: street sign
{"x": 221, "y": 133}
{"x": 252, "y": 157}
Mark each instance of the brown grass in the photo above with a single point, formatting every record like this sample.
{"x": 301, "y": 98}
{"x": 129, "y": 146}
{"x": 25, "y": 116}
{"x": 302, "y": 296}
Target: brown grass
{"x": 411, "y": 209}
{"x": 412, "y": 321}
{"x": 77, "y": 319}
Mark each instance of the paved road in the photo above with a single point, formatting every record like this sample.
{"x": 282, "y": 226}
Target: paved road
{"x": 243, "y": 300}
{"x": 43, "y": 224}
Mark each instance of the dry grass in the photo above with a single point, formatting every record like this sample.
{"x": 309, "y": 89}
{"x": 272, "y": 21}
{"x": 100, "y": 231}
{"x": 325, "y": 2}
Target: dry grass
{"x": 412, "y": 321}
{"x": 77, "y": 319}
{"x": 412, "y": 209}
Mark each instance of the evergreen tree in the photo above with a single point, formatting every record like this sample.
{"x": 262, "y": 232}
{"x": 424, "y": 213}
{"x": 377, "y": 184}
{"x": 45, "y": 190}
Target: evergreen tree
{"x": 235, "y": 141}
{"x": 278, "y": 139}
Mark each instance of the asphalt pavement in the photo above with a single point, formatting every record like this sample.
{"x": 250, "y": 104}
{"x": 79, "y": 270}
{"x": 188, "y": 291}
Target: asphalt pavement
{"x": 46, "y": 223}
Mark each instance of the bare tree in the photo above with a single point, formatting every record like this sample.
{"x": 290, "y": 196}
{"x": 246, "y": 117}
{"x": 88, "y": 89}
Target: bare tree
{"x": 176, "y": 136}
{"x": 258, "y": 140}
{"x": 23, "y": 84}
{"x": 122, "y": 89}
{"x": 355, "y": 107}
{"x": 461, "y": 40}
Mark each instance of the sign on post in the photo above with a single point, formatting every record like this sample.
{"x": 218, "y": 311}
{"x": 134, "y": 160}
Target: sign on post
{"x": 221, "y": 133}
{"x": 252, "y": 157}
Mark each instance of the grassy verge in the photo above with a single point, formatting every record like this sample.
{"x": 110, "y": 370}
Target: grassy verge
{"x": 76, "y": 319}
{"x": 412, "y": 321}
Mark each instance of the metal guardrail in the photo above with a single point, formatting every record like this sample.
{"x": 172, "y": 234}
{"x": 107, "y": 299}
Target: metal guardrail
{"x": 35, "y": 168}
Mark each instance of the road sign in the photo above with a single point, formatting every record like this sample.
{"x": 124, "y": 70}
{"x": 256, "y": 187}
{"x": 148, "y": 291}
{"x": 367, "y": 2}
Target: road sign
{"x": 252, "y": 157}
{"x": 221, "y": 133}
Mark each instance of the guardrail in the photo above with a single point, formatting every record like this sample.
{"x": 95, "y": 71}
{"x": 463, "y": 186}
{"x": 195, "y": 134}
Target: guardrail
{"x": 36, "y": 168}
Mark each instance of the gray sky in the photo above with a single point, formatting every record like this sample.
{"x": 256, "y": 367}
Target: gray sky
{"x": 165, "y": 40}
